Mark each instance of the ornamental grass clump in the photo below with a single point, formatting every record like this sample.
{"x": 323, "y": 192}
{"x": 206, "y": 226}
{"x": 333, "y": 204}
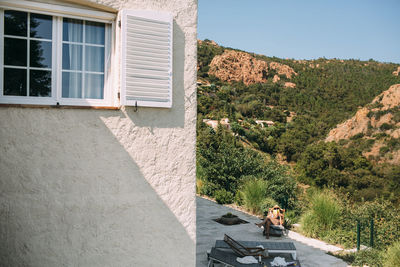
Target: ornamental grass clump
{"x": 322, "y": 216}
{"x": 254, "y": 192}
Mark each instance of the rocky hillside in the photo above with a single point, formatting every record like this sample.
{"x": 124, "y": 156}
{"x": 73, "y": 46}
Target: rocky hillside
{"x": 242, "y": 67}
{"x": 377, "y": 124}
{"x": 322, "y": 93}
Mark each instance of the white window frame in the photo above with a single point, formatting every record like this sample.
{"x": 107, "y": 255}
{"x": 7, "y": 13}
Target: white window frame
{"x": 58, "y": 13}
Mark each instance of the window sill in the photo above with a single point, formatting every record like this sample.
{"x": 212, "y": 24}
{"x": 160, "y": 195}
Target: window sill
{"x": 58, "y": 106}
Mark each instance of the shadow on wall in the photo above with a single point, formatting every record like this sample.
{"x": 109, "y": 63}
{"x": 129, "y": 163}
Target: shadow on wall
{"x": 160, "y": 143}
{"x": 166, "y": 156}
{"x": 167, "y": 118}
{"x": 70, "y": 194}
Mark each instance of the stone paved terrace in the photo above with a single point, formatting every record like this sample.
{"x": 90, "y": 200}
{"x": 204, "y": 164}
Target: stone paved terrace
{"x": 310, "y": 252}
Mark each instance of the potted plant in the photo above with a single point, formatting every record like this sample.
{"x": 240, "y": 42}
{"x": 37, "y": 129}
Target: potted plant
{"x": 230, "y": 219}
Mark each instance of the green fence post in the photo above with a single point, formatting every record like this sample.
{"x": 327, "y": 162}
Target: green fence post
{"x": 358, "y": 235}
{"x": 371, "y": 234}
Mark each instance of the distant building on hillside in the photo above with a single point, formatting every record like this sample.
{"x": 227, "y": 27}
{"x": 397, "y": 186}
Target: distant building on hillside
{"x": 265, "y": 123}
{"x": 214, "y": 123}
{"x": 225, "y": 123}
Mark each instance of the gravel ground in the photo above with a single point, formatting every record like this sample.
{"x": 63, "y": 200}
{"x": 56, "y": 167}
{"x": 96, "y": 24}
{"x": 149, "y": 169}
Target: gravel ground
{"x": 310, "y": 252}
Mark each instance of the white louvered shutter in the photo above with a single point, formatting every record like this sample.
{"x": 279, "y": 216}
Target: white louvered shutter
{"x": 146, "y": 58}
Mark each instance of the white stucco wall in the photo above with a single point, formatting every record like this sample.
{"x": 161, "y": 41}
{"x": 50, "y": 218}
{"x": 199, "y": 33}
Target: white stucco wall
{"x": 85, "y": 187}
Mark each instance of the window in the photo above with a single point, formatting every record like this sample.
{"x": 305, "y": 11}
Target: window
{"x": 51, "y": 54}
{"x": 82, "y": 59}
{"x": 51, "y": 59}
{"x": 27, "y": 54}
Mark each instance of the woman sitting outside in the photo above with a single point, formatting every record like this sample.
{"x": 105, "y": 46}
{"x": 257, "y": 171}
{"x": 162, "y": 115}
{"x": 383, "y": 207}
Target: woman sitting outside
{"x": 276, "y": 216}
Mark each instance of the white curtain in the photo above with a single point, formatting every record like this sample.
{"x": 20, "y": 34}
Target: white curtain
{"x": 94, "y": 33}
{"x": 75, "y": 32}
{"x": 94, "y": 60}
{"x": 93, "y": 84}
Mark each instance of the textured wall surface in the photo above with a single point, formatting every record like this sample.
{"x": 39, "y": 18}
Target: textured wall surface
{"x": 84, "y": 187}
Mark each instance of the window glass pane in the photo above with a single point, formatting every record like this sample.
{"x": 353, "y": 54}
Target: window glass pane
{"x": 14, "y": 82}
{"x": 72, "y": 30}
{"x": 39, "y": 83}
{"x": 94, "y": 84}
{"x": 15, "y": 23}
{"x": 94, "y": 33}
{"x": 71, "y": 85}
{"x": 72, "y": 57}
{"x": 94, "y": 58}
{"x": 41, "y": 26}
{"x": 40, "y": 54}
{"x": 15, "y": 52}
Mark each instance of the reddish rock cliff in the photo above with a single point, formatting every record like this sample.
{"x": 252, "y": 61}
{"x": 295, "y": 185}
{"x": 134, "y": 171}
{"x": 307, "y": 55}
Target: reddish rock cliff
{"x": 365, "y": 122}
{"x": 240, "y": 66}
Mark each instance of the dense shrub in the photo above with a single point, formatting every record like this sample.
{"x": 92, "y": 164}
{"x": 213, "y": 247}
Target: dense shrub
{"x": 223, "y": 164}
{"x": 208, "y": 189}
{"x": 239, "y": 198}
{"x": 223, "y": 197}
{"x": 386, "y": 126}
{"x": 367, "y": 257}
{"x": 383, "y": 150}
{"x": 357, "y": 136}
{"x": 385, "y": 215}
{"x": 374, "y": 257}
{"x": 392, "y": 255}
{"x": 281, "y": 186}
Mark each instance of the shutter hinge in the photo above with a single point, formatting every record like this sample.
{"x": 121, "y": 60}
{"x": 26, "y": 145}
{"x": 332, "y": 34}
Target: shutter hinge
{"x": 119, "y": 23}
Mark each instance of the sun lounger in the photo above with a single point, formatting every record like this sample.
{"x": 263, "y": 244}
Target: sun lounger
{"x": 228, "y": 258}
{"x": 270, "y": 246}
{"x": 243, "y": 250}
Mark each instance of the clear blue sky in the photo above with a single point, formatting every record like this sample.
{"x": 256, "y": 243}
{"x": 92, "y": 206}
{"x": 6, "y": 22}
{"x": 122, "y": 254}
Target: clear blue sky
{"x": 305, "y": 29}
